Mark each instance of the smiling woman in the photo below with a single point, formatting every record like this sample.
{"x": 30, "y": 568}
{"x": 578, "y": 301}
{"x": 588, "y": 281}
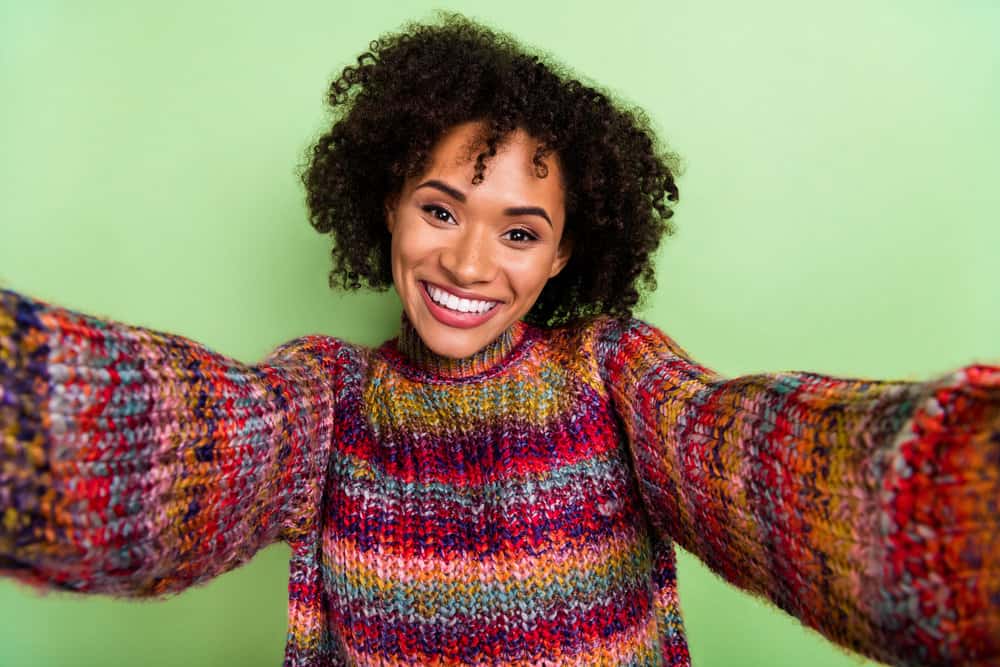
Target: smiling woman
{"x": 469, "y": 262}
{"x": 505, "y": 481}
{"x": 592, "y": 165}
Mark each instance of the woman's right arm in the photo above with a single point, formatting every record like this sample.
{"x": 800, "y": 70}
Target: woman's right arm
{"x": 138, "y": 463}
{"x": 866, "y": 508}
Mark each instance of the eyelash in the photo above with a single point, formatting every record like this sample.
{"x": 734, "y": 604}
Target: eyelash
{"x": 531, "y": 237}
{"x": 434, "y": 209}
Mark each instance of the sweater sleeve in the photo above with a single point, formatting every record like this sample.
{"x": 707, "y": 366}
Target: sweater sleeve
{"x": 867, "y": 509}
{"x": 138, "y": 463}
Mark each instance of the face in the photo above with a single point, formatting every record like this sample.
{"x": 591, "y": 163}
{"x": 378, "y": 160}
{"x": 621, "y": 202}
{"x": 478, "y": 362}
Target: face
{"x": 470, "y": 260}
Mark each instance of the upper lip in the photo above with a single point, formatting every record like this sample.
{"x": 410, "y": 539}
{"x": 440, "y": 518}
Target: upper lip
{"x": 460, "y": 293}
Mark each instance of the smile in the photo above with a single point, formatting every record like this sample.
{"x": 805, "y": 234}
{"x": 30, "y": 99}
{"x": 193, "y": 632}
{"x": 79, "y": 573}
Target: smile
{"x": 456, "y": 311}
{"x": 456, "y": 303}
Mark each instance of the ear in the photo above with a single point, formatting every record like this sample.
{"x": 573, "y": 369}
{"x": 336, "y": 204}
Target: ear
{"x": 562, "y": 255}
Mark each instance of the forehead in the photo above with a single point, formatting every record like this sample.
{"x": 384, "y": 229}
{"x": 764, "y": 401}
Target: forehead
{"x": 509, "y": 175}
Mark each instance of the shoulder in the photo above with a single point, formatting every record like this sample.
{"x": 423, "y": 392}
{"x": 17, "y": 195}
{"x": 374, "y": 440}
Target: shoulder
{"x": 330, "y": 354}
{"x": 601, "y": 349}
{"x": 588, "y": 343}
{"x": 610, "y": 347}
{"x": 321, "y": 344}
{"x": 603, "y": 335}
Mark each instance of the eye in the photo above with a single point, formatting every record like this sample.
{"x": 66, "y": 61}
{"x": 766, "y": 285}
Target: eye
{"x": 438, "y": 213}
{"x": 521, "y": 236}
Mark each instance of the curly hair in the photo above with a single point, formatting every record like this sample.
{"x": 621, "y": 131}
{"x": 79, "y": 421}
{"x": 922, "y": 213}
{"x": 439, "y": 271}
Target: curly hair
{"x": 391, "y": 107}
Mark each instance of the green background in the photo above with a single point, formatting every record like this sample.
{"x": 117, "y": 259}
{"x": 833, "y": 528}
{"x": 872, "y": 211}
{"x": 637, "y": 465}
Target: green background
{"x": 838, "y": 214}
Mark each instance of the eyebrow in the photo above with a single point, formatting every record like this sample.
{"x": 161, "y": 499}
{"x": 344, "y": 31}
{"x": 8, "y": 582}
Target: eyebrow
{"x": 460, "y": 196}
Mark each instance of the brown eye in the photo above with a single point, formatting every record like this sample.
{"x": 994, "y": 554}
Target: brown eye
{"x": 438, "y": 213}
{"x": 521, "y": 236}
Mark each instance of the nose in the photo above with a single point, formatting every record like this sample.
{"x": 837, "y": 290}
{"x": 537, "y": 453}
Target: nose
{"x": 469, "y": 258}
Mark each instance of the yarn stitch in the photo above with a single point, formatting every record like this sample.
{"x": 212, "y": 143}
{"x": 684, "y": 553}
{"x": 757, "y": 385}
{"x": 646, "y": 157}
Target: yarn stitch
{"x": 518, "y": 507}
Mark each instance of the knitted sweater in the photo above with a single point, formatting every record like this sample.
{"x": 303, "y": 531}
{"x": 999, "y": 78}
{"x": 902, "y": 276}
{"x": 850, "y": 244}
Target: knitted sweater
{"x": 518, "y": 507}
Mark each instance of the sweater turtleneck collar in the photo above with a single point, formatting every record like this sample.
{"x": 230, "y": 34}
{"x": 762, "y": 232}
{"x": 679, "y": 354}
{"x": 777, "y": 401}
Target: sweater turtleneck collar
{"x": 419, "y": 355}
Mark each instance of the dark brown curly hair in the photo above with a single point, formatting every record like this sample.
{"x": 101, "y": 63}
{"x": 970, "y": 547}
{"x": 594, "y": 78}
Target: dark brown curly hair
{"x": 392, "y": 106}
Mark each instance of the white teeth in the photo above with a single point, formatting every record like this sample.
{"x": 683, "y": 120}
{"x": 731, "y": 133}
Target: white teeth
{"x": 453, "y": 302}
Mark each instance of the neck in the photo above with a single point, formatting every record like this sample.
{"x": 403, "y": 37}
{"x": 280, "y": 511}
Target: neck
{"x": 416, "y": 351}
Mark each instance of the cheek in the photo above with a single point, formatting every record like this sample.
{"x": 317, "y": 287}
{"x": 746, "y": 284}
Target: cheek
{"x": 529, "y": 273}
{"x": 407, "y": 249}
{"x": 395, "y": 259}
{"x": 403, "y": 261}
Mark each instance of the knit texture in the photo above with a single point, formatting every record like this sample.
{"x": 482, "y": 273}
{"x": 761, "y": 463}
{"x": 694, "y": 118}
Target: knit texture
{"x": 518, "y": 507}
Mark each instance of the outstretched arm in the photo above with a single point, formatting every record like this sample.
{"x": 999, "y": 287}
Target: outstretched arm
{"x": 867, "y": 509}
{"x": 139, "y": 463}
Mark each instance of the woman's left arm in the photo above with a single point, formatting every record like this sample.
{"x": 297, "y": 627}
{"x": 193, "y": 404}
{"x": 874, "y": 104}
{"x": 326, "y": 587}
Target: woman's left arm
{"x": 868, "y": 509}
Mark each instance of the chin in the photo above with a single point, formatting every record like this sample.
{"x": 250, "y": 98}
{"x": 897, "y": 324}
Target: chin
{"x": 456, "y": 342}
{"x": 456, "y": 345}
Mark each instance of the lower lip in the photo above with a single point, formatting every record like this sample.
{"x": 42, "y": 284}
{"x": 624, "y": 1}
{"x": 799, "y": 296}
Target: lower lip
{"x": 454, "y": 318}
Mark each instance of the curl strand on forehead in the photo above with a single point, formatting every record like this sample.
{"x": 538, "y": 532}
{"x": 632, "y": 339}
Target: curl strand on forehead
{"x": 485, "y": 144}
{"x": 394, "y": 102}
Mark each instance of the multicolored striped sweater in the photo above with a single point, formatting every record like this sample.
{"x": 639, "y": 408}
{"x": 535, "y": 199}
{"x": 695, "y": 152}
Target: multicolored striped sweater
{"x": 519, "y": 507}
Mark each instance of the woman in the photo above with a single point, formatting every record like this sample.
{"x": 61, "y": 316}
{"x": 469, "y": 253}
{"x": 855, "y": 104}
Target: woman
{"x": 503, "y": 483}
